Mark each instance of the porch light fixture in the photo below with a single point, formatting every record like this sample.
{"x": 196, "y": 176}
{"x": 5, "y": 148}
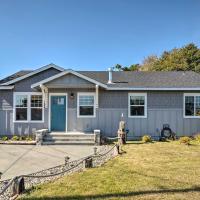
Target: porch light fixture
{"x": 72, "y": 95}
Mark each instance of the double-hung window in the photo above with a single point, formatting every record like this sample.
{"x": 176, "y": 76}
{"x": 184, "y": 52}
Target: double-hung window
{"x": 192, "y": 105}
{"x": 21, "y": 107}
{"x": 28, "y": 107}
{"x": 137, "y": 105}
{"x": 36, "y": 107}
{"x": 86, "y": 105}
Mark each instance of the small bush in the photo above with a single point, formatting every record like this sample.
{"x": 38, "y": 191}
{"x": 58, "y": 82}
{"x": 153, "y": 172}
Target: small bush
{"x": 146, "y": 138}
{"x": 15, "y": 138}
{"x": 22, "y": 138}
{"x": 197, "y": 137}
{"x": 28, "y": 138}
{"x": 185, "y": 140}
{"x": 4, "y": 138}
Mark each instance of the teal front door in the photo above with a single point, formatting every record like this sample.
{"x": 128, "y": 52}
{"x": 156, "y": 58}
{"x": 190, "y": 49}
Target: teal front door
{"x": 58, "y": 113}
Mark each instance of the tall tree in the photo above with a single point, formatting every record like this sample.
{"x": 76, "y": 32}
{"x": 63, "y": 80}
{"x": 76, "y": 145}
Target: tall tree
{"x": 148, "y": 63}
{"x": 134, "y": 67}
{"x": 178, "y": 59}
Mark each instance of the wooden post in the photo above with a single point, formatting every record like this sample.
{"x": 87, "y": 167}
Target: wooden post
{"x": 88, "y": 162}
{"x": 122, "y": 133}
{"x": 117, "y": 149}
{"x": 95, "y": 151}
{"x": 67, "y": 160}
{"x": 17, "y": 186}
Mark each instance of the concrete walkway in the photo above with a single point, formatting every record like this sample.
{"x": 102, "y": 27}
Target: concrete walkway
{"x": 25, "y": 159}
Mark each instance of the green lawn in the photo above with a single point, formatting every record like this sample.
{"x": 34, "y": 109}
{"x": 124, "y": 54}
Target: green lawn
{"x": 154, "y": 171}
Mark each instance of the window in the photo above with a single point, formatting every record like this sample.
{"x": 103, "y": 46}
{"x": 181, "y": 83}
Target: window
{"x": 36, "y": 107}
{"x": 192, "y": 105}
{"x": 21, "y": 108}
{"x": 86, "y": 102}
{"x": 137, "y": 105}
{"x": 28, "y": 107}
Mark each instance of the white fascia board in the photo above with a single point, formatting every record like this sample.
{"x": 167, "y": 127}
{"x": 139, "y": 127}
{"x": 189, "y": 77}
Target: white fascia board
{"x": 33, "y": 73}
{"x": 67, "y": 72}
{"x": 2, "y": 87}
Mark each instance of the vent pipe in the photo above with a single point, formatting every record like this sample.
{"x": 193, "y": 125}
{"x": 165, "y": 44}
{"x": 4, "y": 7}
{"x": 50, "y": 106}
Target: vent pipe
{"x": 110, "y": 75}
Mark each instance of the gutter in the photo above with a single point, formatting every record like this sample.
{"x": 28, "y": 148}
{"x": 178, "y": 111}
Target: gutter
{"x": 155, "y": 89}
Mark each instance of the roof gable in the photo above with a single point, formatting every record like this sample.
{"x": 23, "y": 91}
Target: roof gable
{"x": 65, "y": 73}
{"x": 33, "y": 73}
{"x": 71, "y": 80}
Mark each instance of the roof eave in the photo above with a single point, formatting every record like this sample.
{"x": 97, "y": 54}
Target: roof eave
{"x": 156, "y": 88}
{"x": 5, "y": 87}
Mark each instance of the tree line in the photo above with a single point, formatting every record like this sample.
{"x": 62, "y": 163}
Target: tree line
{"x": 186, "y": 58}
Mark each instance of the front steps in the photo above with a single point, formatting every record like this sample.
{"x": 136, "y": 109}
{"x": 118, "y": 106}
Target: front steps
{"x": 69, "y": 139}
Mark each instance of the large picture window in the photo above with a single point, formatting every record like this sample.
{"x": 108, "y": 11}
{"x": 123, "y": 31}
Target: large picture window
{"x": 137, "y": 105}
{"x": 28, "y": 107}
{"x": 86, "y": 105}
{"x": 192, "y": 105}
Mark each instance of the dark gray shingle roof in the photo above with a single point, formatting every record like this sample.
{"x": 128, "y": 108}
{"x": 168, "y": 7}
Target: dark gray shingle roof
{"x": 15, "y": 75}
{"x": 136, "y": 79}
{"x": 139, "y": 79}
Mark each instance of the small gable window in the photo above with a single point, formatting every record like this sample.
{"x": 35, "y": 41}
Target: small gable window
{"x": 86, "y": 105}
{"x": 137, "y": 105}
{"x": 192, "y": 105}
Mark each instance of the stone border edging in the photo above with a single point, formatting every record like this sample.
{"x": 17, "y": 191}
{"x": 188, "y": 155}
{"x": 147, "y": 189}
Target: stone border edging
{"x": 18, "y": 142}
{"x": 10, "y": 189}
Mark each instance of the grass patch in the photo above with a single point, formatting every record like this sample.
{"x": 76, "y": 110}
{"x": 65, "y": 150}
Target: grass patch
{"x": 146, "y": 171}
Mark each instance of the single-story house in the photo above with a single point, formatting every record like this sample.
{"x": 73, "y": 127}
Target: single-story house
{"x": 64, "y": 100}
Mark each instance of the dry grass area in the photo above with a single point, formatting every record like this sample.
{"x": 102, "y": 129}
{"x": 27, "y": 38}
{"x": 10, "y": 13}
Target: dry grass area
{"x": 160, "y": 170}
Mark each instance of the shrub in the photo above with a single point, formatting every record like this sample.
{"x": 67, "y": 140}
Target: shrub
{"x": 4, "y": 138}
{"x": 197, "y": 137}
{"x": 28, "y": 138}
{"x": 146, "y": 138}
{"x": 15, "y": 138}
{"x": 22, "y": 138}
{"x": 184, "y": 140}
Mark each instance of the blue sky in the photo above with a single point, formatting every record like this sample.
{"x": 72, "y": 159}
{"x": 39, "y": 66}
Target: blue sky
{"x": 91, "y": 34}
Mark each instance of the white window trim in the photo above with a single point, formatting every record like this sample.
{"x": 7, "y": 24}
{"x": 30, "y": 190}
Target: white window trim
{"x": 78, "y": 107}
{"x": 145, "y": 104}
{"x": 28, "y": 94}
{"x": 191, "y": 95}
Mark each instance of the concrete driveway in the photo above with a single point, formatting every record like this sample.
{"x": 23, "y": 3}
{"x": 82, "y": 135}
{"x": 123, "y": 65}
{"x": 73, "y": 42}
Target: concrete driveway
{"x": 25, "y": 159}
